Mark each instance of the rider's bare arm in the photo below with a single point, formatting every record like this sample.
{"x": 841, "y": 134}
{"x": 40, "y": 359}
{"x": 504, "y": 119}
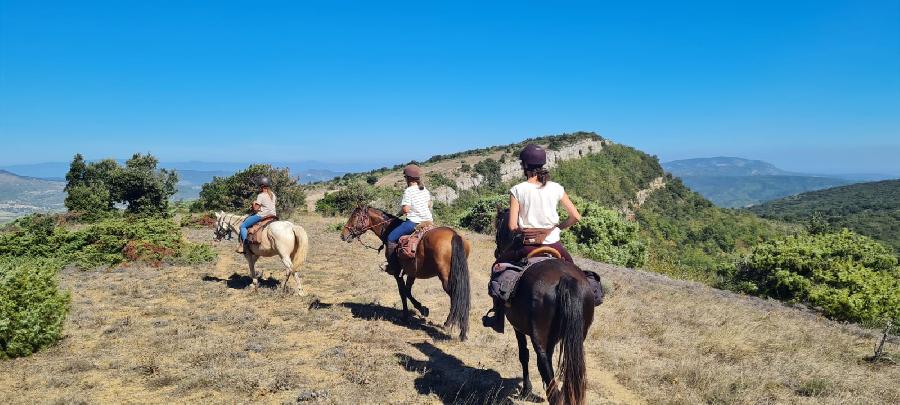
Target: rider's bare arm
{"x": 513, "y": 221}
{"x": 574, "y": 215}
{"x": 256, "y": 207}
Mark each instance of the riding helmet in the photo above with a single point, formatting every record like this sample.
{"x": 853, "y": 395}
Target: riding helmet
{"x": 533, "y": 155}
{"x": 263, "y": 181}
{"x": 412, "y": 171}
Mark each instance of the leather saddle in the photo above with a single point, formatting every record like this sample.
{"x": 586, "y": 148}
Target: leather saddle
{"x": 254, "y": 231}
{"x": 409, "y": 243}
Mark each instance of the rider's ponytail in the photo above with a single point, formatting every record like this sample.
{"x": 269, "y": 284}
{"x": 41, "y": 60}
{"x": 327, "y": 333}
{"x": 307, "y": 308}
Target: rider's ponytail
{"x": 418, "y": 182}
{"x": 268, "y": 191}
{"x": 542, "y": 174}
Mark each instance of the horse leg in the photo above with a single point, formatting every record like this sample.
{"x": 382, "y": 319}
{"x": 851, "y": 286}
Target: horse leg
{"x": 402, "y": 289}
{"x": 409, "y": 283}
{"x": 523, "y": 358}
{"x": 286, "y": 261}
{"x": 546, "y": 370}
{"x": 251, "y": 260}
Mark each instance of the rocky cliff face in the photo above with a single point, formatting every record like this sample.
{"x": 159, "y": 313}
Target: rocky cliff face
{"x": 511, "y": 170}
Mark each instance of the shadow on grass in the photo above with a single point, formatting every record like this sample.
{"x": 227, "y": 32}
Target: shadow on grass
{"x": 456, "y": 383}
{"x": 240, "y": 282}
{"x": 374, "y": 311}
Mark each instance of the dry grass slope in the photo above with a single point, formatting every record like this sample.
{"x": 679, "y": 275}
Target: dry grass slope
{"x": 197, "y": 334}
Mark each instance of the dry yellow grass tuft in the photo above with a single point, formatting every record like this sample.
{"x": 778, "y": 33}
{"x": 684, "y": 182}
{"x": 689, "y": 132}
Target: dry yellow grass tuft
{"x": 184, "y": 334}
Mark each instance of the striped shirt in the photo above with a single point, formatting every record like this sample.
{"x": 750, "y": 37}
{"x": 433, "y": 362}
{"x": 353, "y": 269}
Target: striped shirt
{"x": 419, "y": 202}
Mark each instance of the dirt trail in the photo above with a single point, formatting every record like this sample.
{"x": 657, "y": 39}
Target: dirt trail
{"x": 198, "y": 334}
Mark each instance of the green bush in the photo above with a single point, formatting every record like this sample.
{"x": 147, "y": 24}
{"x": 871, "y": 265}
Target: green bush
{"x": 106, "y": 243}
{"x": 237, "y": 192}
{"x": 846, "y": 275}
{"x": 343, "y": 201}
{"x": 32, "y": 308}
{"x": 481, "y": 215}
{"x": 490, "y": 169}
{"x": 604, "y": 235}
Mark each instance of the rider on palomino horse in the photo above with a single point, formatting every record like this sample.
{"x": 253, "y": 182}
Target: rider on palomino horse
{"x": 533, "y": 212}
{"x": 263, "y": 207}
{"x": 416, "y": 205}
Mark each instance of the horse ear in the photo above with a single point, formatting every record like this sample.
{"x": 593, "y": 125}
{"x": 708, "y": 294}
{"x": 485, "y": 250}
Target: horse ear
{"x": 218, "y": 214}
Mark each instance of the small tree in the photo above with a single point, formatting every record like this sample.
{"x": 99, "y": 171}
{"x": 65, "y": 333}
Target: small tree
{"x": 143, "y": 188}
{"x": 237, "y": 192}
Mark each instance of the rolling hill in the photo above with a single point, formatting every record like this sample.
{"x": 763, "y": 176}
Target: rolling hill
{"x": 686, "y": 235}
{"x": 20, "y": 195}
{"x": 735, "y": 182}
{"x": 871, "y": 209}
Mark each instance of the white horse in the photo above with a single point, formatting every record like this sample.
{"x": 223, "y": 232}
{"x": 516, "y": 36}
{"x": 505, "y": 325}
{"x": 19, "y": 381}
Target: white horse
{"x": 281, "y": 238}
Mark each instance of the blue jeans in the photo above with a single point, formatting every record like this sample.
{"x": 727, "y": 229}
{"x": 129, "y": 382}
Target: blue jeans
{"x": 248, "y": 223}
{"x": 406, "y": 228}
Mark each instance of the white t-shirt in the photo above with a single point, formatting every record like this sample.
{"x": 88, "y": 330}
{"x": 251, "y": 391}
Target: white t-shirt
{"x": 266, "y": 205}
{"x": 537, "y": 206}
{"x": 418, "y": 202}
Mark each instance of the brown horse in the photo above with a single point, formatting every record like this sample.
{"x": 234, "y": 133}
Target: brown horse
{"x": 442, "y": 253}
{"x": 552, "y": 303}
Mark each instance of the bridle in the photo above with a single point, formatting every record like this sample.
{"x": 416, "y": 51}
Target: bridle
{"x": 222, "y": 231}
{"x": 359, "y": 229}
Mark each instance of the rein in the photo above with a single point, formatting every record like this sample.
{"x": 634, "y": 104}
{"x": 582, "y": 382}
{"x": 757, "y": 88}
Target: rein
{"x": 357, "y": 233}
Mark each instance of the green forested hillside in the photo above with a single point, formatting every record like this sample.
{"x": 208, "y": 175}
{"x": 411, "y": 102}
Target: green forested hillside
{"x": 744, "y": 191}
{"x": 686, "y": 235}
{"x": 871, "y": 209}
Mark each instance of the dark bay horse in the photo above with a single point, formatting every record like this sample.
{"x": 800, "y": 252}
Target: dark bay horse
{"x": 442, "y": 253}
{"x": 552, "y": 303}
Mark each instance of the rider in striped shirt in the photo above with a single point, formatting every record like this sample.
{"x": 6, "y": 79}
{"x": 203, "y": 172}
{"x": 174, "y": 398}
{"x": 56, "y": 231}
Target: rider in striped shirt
{"x": 416, "y": 205}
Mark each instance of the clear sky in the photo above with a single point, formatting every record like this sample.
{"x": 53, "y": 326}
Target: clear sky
{"x": 811, "y": 86}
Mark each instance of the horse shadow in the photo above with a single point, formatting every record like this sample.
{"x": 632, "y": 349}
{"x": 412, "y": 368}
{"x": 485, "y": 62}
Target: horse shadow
{"x": 373, "y": 311}
{"x": 454, "y": 382}
{"x": 240, "y": 282}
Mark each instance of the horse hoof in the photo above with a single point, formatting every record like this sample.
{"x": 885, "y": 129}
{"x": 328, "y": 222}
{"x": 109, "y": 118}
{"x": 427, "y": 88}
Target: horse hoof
{"x": 424, "y": 311}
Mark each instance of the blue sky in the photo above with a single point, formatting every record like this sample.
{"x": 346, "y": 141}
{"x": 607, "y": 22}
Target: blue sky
{"x": 809, "y": 86}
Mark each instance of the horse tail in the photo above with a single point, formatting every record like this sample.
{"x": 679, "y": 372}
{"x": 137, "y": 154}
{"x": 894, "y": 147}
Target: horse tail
{"x": 459, "y": 286}
{"x": 570, "y": 296}
{"x": 301, "y": 247}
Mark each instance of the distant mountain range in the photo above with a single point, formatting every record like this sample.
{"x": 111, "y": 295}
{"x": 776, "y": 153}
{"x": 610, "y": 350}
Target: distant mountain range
{"x": 26, "y": 189}
{"x": 736, "y": 182}
{"x": 308, "y": 171}
{"x": 872, "y": 209}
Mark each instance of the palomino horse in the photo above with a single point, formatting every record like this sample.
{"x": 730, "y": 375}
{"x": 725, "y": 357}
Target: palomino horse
{"x": 442, "y": 253}
{"x": 552, "y": 302}
{"x": 281, "y": 238}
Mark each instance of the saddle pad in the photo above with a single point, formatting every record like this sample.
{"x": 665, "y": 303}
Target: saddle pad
{"x": 505, "y": 278}
{"x": 409, "y": 243}
{"x": 253, "y": 231}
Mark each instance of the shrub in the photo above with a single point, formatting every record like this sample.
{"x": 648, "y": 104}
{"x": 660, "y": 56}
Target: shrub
{"x": 490, "y": 169}
{"x": 604, "y": 235}
{"x": 846, "y": 275}
{"x": 343, "y": 201}
{"x": 109, "y": 242}
{"x": 480, "y": 217}
{"x": 237, "y": 192}
{"x": 32, "y": 308}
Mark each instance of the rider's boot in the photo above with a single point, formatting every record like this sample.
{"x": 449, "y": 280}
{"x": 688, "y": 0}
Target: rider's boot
{"x": 498, "y": 320}
{"x": 240, "y": 248}
{"x": 393, "y": 263}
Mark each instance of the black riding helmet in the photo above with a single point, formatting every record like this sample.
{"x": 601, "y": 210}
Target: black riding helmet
{"x": 263, "y": 181}
{"x": 533, "y": 156}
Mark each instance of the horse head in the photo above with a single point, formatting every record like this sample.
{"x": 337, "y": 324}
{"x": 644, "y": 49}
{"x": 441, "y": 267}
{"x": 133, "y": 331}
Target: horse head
{"x": 223, "y": 228}
{"x": 504, "y": 238}
{"x": 357, "y": 224}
